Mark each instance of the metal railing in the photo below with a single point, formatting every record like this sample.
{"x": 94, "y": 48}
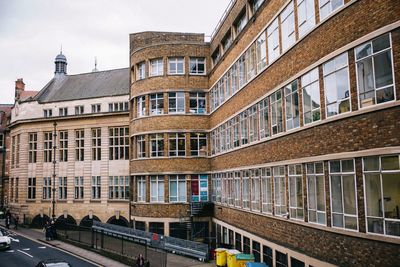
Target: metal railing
{"x": 222, "y": 19}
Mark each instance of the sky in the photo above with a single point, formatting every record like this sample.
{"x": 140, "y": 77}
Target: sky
{"x": 32, "y": 32}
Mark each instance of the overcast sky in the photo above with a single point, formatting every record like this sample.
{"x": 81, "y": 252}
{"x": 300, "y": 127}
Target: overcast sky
{"x": 32, "y": 31}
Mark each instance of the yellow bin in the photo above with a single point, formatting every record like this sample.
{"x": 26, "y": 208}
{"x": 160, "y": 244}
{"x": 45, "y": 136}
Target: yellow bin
{"x": 231, "y": 257}
{"x": 241, "y": 259}
{"x": 220, "y": 257}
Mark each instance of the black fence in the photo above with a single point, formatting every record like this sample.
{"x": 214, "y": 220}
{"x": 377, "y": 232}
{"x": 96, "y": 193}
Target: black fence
{"x": 118, "y": 245}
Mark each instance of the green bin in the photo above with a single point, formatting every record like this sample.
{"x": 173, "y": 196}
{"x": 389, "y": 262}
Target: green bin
{"x": 242, "y": 258}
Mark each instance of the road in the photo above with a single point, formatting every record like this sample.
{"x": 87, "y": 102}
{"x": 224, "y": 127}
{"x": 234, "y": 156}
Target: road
{"x": 25, "y": 252}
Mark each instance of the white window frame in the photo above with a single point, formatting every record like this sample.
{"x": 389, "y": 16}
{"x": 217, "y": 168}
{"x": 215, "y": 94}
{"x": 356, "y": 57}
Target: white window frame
{"x": 141, "y": 188}
{"x": 79, "y": 187}
{"x": 328, "y": 5}
{"x": 255, "y": 190}
{"x": 273, "y": 41}
{"x": 31, "y": 194}
{"x": 62, "y": 188}
{"x": 238, "y": 189}
{"x": 276, "y": 105}
{"x": 32, "y": 148}
{"x": 291, "y": 113}
{"x": 80, "y": 145}
{"x": 158, "y": 182}
{"x": 141, "y": 71}
{"x": 307, "y": 23}
{"x": 118, "y": 151}
{"x": 141, "y": 106}
{"x": 140, "y": 146}
{"x": 79, "y": 110}
{"x": 310, "y": 81}
{"x": 63, "y": 111}
{"x": 47, "y": 187}
{"x": 176, "y": 138}
{"x": 196, "y": 62}
{"x": 158, "y": 101}
{"x": 294, "y": 207}
{"x": 176, "y": 103}
{"x": 246, "y": 189}
{"x": 315, "y": 176}
{"x": 261, "y": 52}
{"x": 47, "y": 113}
{"x": 280, "y": 187}
{"x": 47, "y": 146}
{"x": 118, "y": 187}
{"x": 96, "y": 143}
{"x": 96, "y": 108}
{"x": 176, "y": 61}
{"x": 63, "y": 150}
{"x": 158, "y": 139}
{"x": 266, "y": 191}
{"x": 96, "y": 187}
{"x": 197, "y": 97}
{"x": 180, "y": 197}
{"x": 287, "y": 26}
{"x": 198, "y": 139}
{"x": 156, "y": 67}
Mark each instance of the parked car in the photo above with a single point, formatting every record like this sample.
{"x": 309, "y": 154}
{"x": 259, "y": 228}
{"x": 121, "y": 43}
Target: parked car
{"x": 5, "y": 241}
{"x": 53, "y": 263}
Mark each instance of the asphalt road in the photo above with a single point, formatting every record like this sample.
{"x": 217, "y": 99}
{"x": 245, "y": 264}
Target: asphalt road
{"x": 26, "y": 253}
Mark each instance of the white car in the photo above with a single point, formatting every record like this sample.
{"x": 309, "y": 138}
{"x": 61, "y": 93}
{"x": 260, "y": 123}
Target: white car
{"x": 5, "y": 241}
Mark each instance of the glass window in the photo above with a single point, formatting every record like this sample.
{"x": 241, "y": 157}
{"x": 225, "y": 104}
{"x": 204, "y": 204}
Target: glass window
{"x": 287, "y": 26}
{"x": 198, "y": 144}
{"x": 141, "y": 188}
{"x": 31, "y": 188}
{"x": 251, "y": 63}
{"x": 273, "y": 41}
{"x": 266, "y": 190}
{"x": 326, "y": 7}
{"x": 96, "y": 187}
{"x": 176, "y": 65}
{"x": 79, "y": 188}
{"x": 296, "y": 263}
{"x": 382, "y": 194}
{"x": 281, "y": 259}
{"x": 177, "y": 145}
{"x": 47, "y": 146}
{"x": 241, "y": 22}
{"x": 176, "y": 102}
{"x": 375, "y": 71}
{"x": 47, "y": 113}
{"x": 343, "y": 194}
{"x": 157, "y": 145}
{"x": 177, "y": 188}
{"x": 242, "y": 70}
{"x": 79, "y": 110}
{"x": 264, "y": 118}
{"x": 119, "y": 143}
{"x": 197, "y": 65}
{"x": 62, "y": 187}
{"x": 96, "y": 144}
{"x": 246, "y": 189}
{"x": 79, "y": 145}
{"x": 337, "y": 87}
{"x": 197, "y": 103}
{"x": 280, "y": 190}
{"x": 296, "y": 191}
{"x": 306, "y": 16}
{"x": 292, "y": 106}
{"x": 267, "y": 256}
{"x": 96, "y": 108}
{"x": 156, "y": 67}
{"x": 156, "y": 104}
{"x": 141, "y": 146}
{"x": 63, "y": 111}
{"x": 256, "y": 251}
{"x": 156, "y": 188}
{"x": 316, "y": 193}
{"x": 253, "y": 123}
{"x": 244, "y": 127}
{"x": 238, "y": 189}
{"x": 261, "y": 52}
{"x": 311, "y": 97}
{"x": 255, "y": 190}
{"x": 32, "y": 147}
{"x": 276, "y": 112}
{"x": 118, "y": 187}
{"x": 46, "y": 187}
{"x": 141, "y": 71}
{"x": 141, "y": 106}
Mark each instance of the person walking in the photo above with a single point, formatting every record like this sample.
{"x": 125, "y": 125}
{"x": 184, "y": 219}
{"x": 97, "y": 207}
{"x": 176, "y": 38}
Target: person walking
{"x": 46, "y": 230}
{"x": 16, "y": 221}
{"x": 53, "y": 230}
{"x": 8, "y": 219}
{"x": 140, "y": 262}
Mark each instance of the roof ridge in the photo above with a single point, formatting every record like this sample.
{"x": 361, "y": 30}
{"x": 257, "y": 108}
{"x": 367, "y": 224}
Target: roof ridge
{"x": 91, "y": 72}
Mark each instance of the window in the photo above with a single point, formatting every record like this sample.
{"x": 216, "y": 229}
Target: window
{"x": 47, "y": 188}
{"x": 197, "y": 103}
{"x": 13, "y": 152}
{"x": 31, "y": 188}
{"x": 156, "y": 104}
{"x": 216, "y": 56}
{"x": 256, "y": 5}
{"x": 1, "y": 140}
{"x": 343, "y": 194}
{"x": 199, "y": 187}
{"x": 156, "y": 67}
{"x": 96, "y": 108}
{"x": 296, "y": 263}
{"x": 96, "y": 144}
{"x": 141, "y": 188}
{"x": 32, "y": 147}
{"x": 311, "y": 98}
{"x": 296, "y": 191}
{"x": 276, "y": 112}
{"x": 62, "y": 187}
{"x": 287, "y": 26}
{"x": 251, "y": 66}
{"x": 230, "y": 189}
{"x": 266, "y": 190}
{"x": 177, "y": 144}
{"x": 326, "y": 7}
{"x": 316, "y": 193}
{"x": 337, "y": 87}
{"x": 18, "y": 150}
{"x": 119, "y": 143}
{"x": 246, "y": 245}
{"x": 141, "y": 106}
{"x": 382, "y": 194}
{"x": 234, "y": 78}
{"x": 79, "y": 110}
{"x": 198, "y": 144}
{"x": 227, "y": 41}
{"x": 80, "y": 145}
{"x": 244, "y": 128}
{"x": 118, "y": 187}
{"x": 141, "y": 71}
{"x": 267, "y": 256}
{"x": 236, "y": 129}
{"x": 261, "y": 52}
{"x": 197, "y": 65}
{"x": 141, "y": 146}
{"x": 177, "y": 188}
{"x": 238, "y": 241}
{"x": 246, "y": 189}
{"x": 63, "y": 146}
{"x": 156, "y": 188}
{"x": 273, "y": 41}
{"x": 176, "y": 65}
{"x": 253, "y": 123}
{"x": 280, "y": 190}
{"x": 157, "y": 145}
{"x": 118, "y": 106}
{"x": 62, "y": 112}
{"x": 375, "y": 71}
{"x": 47, "y": 113}
{"x": 238, "y": 189}
{"x": 242, "y": 71}
{"x": 241, "y": 22}
{"x": 256, "y": 251}
{"x": 281, "y": 259}
{"x": 78, "y": 194}
{"x": 306, "y": 16}
{"x": 292, "y": 106}
{"x": 264, "y": 118}
{"x": 255, "y": 189}
{"x": 96, "y": 187}
{"x": 176, "y": 102}
{"x": 48, "y": 146}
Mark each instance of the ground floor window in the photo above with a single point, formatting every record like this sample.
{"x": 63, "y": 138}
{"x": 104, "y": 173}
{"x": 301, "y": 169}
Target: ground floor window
{"x": 156, "y": 227}
{"x": 256, "y": 251}
{"x": 281, "y": 259}
{"x": 246, "y": 245}
{"x": 238, "y": 241}
{"x": 296, "y": 263}
{"x": 267, "y": 256}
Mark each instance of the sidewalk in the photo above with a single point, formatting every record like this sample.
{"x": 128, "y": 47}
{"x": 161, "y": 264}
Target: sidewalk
{"x": 36, "y": 234}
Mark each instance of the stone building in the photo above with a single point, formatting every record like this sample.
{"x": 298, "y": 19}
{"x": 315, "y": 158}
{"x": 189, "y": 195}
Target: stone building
{"x": 5, "y": 115}
{"x": 287, "y": 120}
{"x": 80, "y": 122}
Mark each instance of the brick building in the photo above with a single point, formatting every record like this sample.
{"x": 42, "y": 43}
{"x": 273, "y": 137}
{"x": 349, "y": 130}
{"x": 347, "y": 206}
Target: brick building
{"x": 287, "y": 120}
{"x": 5, "y": 115}
{"x": 91, "y": 178}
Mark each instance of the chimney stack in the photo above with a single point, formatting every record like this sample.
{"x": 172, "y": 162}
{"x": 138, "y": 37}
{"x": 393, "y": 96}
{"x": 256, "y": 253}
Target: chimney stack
{"x": 19, "y": 87}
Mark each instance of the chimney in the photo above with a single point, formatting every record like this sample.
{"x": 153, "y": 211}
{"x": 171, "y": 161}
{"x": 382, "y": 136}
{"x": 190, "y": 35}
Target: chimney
{"x": 19, "y": 87}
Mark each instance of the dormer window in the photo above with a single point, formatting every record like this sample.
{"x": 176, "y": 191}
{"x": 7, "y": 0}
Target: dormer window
{"x": 96, "y": 108}
{"x": 79, "y": 110}
{"x": 47, "y": 113}
{"x": 118, "y": 106}
{"x": 63, "y": 112}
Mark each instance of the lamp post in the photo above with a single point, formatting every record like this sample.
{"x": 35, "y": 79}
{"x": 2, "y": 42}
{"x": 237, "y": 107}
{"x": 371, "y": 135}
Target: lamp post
{"x": 54, "y": 171}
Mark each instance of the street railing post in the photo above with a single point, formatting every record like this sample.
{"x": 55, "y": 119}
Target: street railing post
{"x": 79, "y": 234}
{"x": 122, "y": 245}
{"x": 102, "y": 239}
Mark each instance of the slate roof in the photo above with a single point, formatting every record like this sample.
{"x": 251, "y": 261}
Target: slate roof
{"x": 26, "y": 95}
{"x": 86, "y": 85}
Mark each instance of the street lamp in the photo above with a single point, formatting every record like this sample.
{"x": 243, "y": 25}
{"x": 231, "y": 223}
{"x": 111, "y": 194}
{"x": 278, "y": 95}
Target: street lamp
{"x": 54, "y": 170}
